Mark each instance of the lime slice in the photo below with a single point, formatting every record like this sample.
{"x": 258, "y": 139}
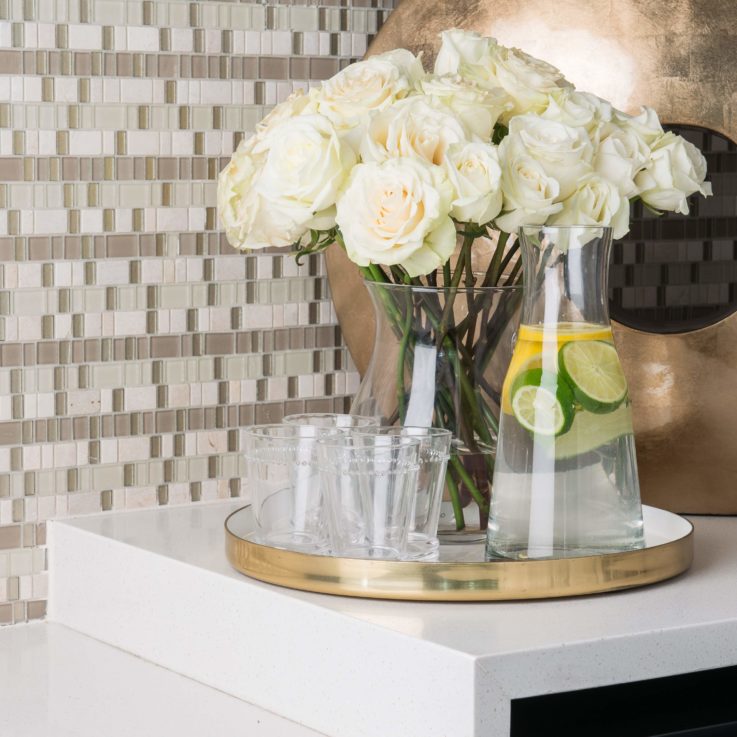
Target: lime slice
{"x": 590, "y": 431}
{"x": 593, "y": 370}
{"x": 541, "y": 403}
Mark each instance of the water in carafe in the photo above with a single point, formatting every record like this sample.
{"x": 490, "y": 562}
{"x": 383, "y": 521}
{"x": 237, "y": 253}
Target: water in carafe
{"x": 565, "y": 477}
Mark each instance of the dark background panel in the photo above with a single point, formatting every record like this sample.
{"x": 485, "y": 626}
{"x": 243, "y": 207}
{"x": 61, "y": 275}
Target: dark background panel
{"x": 675, "y": 273}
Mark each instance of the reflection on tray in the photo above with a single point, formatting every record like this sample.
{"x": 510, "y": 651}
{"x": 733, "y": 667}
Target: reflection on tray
{"x": 460, "y": 573}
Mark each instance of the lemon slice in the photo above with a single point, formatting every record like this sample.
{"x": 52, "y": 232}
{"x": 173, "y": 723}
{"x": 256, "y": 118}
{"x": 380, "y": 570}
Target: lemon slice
{"x": 542, "y": 404}
{"x": 521, "y": 362}
{"x": 593, "y": 370}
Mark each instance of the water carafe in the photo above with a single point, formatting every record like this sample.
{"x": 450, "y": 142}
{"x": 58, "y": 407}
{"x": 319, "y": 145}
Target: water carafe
{"x": 565, "y": 478}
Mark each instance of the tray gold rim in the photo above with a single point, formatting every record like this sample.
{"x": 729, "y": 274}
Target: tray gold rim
{"x": 461, "y": 581}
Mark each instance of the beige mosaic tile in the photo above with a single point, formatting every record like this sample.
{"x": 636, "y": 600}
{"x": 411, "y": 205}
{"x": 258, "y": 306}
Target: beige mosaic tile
{"x": 134, "y": 342}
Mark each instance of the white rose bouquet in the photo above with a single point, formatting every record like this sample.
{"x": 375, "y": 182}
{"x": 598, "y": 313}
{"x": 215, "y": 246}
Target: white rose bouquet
{"x": 416, "y": 174}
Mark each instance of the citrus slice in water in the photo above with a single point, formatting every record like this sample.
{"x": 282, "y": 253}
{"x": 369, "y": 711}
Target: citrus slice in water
{"x": 593, "y": 370}
{"x": 541, "y": 403}
{"x": 521, "y": 361}
{"x": 589, "y": 432}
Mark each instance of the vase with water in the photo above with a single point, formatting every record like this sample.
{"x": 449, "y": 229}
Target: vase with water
{"x": 440, "y": 356}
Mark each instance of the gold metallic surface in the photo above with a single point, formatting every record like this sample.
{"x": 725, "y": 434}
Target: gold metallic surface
{"x": 680, "y": 57}
{"x": 467, "y": 581}
{"x": 684, "y": 399}
{"x": 352, "y": 305}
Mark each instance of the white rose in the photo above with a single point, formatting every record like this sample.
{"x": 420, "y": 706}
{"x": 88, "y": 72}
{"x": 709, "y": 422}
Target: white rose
{"x": 413, "y": 128}
{"x": 397, "y": 212}
{"x": 474, "y": 171}
{"x": 294, "y": 105}
{"x": 249, "y": 221}
{"x": 564, "y": 152}
{"x": 530, "y": 195}
{"x": 677, "y": 169}
{"x": 306, "y": 166}
{"x": 603, "y": 109}
{"x": 463, "y": 49}
{"x": 646, "y": 124}
{"x": 409, "y": 64}
{"x": 374, "y": 84}
{"x": 620, "y": 157}
{"x": 578, "y": 109}
{"x": 596, "y": 201}
{"x": 478, "y": 107}
{"x": 528, "y": 81}
{"x": 238, "y": 201}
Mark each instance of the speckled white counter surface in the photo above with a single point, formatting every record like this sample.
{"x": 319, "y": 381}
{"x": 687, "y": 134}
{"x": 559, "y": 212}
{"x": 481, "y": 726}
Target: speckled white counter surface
{"x": 156, "y": 583}
{"x": 58, "y": 683}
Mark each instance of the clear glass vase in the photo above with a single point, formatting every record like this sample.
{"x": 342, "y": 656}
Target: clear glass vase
{"x": 439, "y": 359}
{"x": 565, "y": 479}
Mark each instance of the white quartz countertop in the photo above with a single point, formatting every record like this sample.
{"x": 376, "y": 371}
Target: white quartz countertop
{"x": 706, "y": 594}
{"x": 55, "y": 682}
{"x": 147, "y": 581}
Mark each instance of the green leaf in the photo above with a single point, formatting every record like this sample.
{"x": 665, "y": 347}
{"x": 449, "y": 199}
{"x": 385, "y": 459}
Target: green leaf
{"x": 652, "y": 209}
{"x": 500, "y": 131}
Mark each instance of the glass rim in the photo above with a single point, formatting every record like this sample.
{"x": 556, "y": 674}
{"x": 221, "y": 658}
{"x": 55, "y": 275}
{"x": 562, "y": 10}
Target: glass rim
{"x": 434, "y": 290}
{"x": 325, "y": 414}
{"x": 289, "y": 431}
{"x": 539, "y": 228}
{"x": 386, "y": 429}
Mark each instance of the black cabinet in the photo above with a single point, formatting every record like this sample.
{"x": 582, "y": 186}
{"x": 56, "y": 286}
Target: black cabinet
{"x": 702, "y": 704}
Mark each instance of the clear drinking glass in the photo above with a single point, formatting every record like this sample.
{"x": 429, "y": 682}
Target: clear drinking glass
{"x": 329, "y": 419}
{"x": 369, "y": 483}
{"x": 434, "y": 451}
{"x": 565, "y": 478}
{"x": 281, "y": 468}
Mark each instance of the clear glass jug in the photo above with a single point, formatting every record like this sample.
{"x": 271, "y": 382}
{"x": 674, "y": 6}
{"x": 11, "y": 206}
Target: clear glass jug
{"x": 565, "y": 479}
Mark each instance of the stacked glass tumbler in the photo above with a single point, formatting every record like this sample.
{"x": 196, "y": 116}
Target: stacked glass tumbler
{"x": 336, "y": 484}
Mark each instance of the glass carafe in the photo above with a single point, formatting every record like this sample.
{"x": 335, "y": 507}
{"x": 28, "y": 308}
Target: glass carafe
{"x": 565, "y": 480}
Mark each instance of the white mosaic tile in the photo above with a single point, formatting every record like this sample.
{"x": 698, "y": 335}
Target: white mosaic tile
{"x": 113, "y": 272}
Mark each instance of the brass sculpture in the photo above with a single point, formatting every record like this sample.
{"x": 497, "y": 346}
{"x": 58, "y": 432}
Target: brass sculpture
{"x": 680, "y": 57}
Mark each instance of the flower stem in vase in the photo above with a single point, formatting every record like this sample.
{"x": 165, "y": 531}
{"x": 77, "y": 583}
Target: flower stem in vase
{"x": 406, "y": 332}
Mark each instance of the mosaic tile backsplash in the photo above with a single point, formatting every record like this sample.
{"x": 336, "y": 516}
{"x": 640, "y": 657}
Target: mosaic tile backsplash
{"x": 134, "y": 342}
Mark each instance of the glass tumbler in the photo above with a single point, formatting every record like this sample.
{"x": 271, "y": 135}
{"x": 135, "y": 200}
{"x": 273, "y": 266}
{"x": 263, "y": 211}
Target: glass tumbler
{"x": 330, "y": 419}
{"x": 286, "y": 495}
{"x": 369, "y": 483}
{"x": 434, "y": 452}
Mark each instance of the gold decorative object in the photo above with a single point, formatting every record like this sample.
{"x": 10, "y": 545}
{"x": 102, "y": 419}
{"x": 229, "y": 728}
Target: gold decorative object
{"x": 677, "y": 56}
{"x": 462, "y": 574}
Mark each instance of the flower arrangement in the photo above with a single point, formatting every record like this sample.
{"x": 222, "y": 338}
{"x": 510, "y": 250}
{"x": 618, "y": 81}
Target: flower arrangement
{"x": 391, "y": 161}
{"x": 420, "y": 177}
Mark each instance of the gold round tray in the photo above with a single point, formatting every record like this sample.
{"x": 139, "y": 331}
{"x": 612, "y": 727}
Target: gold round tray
{"x": 461, "y": 574}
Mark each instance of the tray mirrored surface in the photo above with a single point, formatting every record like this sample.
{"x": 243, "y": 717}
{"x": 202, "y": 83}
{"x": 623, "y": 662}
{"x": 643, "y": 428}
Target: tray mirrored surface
{"x": 661, "y": 527}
